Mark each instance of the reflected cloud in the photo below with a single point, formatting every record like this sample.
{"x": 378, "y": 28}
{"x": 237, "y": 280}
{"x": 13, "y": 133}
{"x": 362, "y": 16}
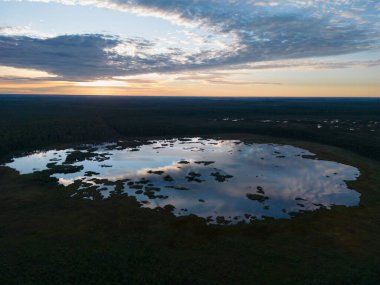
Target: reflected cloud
{"x": 208, "y": 178}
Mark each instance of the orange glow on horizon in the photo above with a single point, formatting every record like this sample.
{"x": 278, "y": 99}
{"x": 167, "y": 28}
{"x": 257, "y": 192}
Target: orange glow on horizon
{"x": 203, "y": 83}
{"x": 103, "y": 88}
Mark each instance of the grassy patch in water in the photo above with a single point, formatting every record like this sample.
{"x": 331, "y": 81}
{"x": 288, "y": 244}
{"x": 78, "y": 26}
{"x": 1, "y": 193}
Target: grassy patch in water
{"x": 257, "y": 197}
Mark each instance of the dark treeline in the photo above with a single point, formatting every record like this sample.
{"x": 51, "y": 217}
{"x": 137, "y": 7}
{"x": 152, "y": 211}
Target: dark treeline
{"x": 29, "y": 122}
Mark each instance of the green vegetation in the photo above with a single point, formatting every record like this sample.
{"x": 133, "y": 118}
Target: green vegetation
{"x": 30, "y": 122}
{"x": 205, "y": 163}
{"x": 194, "y": 177}
{"x": 77, "y": 156}
{"x": 158, "y": 172}
{"x": 48, "y": 237}
{"x": 260, "y": 190}
{"x": 64, "y": 168}
{"x": 168, "y": 178}
{"x": 221, "y": 177}
{"x": 91, "y": 173}
{"x": 257, "y": 197}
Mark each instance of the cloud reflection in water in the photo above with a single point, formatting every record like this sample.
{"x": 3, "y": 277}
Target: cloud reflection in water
{"x": 208, "y": 178}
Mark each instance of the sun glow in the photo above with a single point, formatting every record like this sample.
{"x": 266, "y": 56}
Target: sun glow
{"x": 7, "y": 71}
{"x": 103, "y": 83}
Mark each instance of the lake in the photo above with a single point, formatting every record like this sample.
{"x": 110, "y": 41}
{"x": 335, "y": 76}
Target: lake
{"x": 223, "y": 181}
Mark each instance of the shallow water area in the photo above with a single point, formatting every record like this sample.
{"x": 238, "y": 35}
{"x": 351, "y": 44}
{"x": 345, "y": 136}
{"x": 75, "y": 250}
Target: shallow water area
{"x": 223, "y": 181}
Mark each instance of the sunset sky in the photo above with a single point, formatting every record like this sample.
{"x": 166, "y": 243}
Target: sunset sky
{"x": 191, "y": 47}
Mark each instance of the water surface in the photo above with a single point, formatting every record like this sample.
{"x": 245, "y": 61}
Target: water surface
{"x": 223, "y": 181}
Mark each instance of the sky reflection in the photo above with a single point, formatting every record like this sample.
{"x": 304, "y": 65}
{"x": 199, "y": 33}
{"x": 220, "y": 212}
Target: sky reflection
{"x": 223, "y": 181}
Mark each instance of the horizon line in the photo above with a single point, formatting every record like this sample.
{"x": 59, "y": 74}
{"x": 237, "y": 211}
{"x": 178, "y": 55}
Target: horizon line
{"x": 193, "y": 96}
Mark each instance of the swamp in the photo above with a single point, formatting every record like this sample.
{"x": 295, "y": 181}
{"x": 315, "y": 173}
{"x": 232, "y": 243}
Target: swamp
{"x": 137, "y": 190}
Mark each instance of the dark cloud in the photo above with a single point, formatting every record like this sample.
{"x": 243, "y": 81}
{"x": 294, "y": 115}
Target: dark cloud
{"x": 68, "y": 56}
{"x": 88, "y": 57}
{"x": 259, "y": 31}
{"x": 81, "y": 57}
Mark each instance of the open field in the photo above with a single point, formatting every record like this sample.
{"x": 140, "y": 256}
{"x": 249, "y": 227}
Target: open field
{"x": 46, "y": 237}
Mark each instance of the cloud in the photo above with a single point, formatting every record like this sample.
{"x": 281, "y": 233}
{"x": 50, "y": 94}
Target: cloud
{"x": 96, "y": 56}
{"x": 219, "y": 78}
{"x": 20, "y": 31}
{"x": 80, "y": 57}
{"x": 259, "y": 31}
{"x": 21, "y": 73}
{"x": 307, "y": 64}
{"x": 68, "y": 56}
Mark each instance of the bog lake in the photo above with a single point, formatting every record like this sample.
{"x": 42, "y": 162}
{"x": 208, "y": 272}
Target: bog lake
{"x": 222, "y": 181}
